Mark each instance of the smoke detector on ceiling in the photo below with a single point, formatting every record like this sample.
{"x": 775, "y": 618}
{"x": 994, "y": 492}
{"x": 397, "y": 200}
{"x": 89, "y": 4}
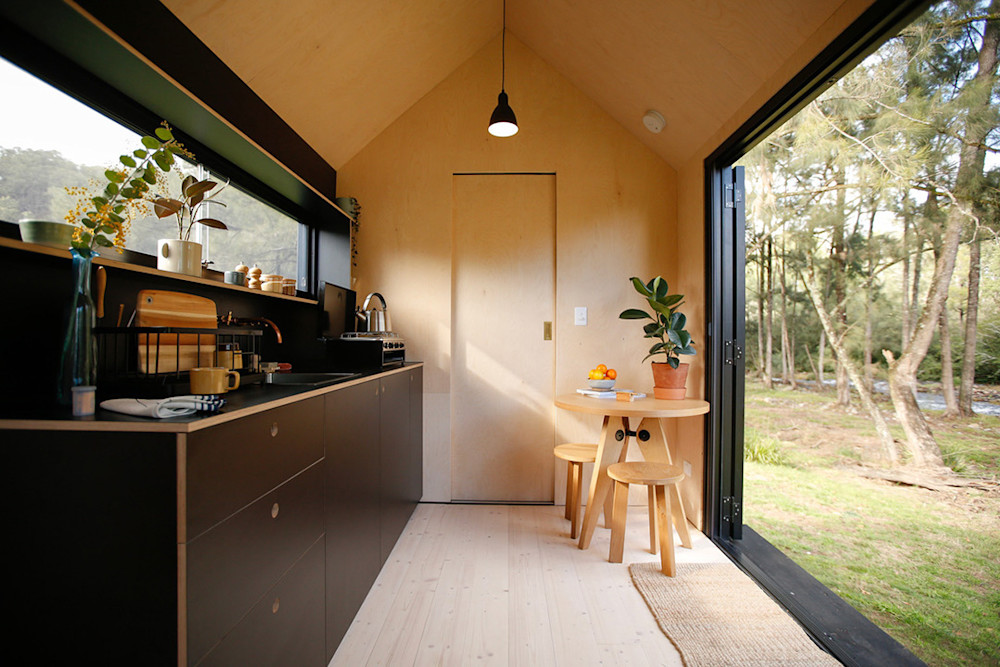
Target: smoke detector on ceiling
{"x": 654, "y": 121}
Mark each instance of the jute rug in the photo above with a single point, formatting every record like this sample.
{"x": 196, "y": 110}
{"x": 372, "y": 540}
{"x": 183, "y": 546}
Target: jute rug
{"x": 717, "y": 616}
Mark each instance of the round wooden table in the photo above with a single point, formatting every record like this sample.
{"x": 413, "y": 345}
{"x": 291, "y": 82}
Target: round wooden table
{"x": 612, "y": 446}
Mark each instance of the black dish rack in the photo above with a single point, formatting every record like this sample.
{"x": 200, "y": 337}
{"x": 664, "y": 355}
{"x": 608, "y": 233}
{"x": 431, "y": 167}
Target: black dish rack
{"x": 153, "y": 362}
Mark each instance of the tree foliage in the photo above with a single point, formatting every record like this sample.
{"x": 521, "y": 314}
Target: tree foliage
{"x": 875, "y": 189}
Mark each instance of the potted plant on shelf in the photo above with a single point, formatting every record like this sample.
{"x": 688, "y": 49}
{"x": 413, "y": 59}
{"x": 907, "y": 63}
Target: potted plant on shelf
{"x": 182, "y": 255}
{"x": 101, "y": 220}
{"x": 667, "y": 328}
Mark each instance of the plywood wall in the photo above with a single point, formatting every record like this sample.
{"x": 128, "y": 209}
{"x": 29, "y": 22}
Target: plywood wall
{"x": 616, "y": 214}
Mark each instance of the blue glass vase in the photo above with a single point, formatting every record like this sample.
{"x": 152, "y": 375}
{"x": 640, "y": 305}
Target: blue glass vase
{"x": 78, "y": 363}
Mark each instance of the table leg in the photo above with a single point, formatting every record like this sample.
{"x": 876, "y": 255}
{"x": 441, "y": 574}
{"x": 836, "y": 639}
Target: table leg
{"x": 608, "y": 502}
{"x": 654, "y": 448}
{"x": 609, "y": 449}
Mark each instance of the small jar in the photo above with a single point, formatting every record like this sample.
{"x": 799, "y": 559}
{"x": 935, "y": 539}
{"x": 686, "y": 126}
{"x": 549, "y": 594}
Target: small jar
{"x": 228, "y": 354}
{"x": 288, "y": 286}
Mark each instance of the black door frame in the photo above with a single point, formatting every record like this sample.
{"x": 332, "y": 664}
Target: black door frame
{"x": 831, "y": 622}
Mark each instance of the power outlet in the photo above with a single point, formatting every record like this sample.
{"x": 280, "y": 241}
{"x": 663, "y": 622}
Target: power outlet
{"x": 580, "y": 316}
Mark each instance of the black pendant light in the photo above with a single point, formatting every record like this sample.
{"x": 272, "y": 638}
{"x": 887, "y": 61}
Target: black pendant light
{"x": 503, "y": 122}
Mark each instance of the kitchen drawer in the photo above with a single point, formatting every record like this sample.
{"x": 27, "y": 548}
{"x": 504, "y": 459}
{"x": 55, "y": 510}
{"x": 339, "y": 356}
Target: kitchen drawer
{"x": 233, "y": 464}
{"x": 285, "y": 627}
{"x": 233, "y": 564}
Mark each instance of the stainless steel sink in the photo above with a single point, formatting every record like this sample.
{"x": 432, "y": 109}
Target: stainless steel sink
{"x": 308, "y": 379}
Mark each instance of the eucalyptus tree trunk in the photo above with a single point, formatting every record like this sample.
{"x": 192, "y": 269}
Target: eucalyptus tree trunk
{"x": 838, "y": 256}
{"x": 769, "y": 329}
{"x": 906, "y": 328}
{"x": 980, "y": 121}
{"x": 971, "y": 317}
{"x": 947, "y": 368}
{"x": 822, "y": 358}
{"x": 869, "y": 298}
{"x": 786, "y": 370}
{"x": 888, "y": 445}
{"x": 760, "y": 319}
{"x": 944, "y": 330}
{"x": 918, "y": 263}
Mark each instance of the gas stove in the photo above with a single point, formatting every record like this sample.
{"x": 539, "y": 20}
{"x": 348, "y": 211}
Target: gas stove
{"x": 371, "y": 349}
{"x": 390, "y": 340}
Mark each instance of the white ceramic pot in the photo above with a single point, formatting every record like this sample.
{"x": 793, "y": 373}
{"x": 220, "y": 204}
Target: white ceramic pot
{"x": 179, "y": 256}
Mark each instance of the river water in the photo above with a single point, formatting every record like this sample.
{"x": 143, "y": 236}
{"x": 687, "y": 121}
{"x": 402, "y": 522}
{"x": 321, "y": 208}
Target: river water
{"x": 926, "y": 400}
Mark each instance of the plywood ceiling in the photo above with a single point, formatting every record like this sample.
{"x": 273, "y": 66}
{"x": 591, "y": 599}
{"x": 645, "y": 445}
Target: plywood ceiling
{"x": 341, "y": 72}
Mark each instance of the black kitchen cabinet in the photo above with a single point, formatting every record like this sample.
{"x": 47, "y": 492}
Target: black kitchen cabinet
{"x": 249, "y": 538}
{"x": 374, "y": 464}
{"x": 352, "y": 504}
{"x": 91, "y": 548}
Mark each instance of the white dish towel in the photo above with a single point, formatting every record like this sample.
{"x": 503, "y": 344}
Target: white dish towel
{"x": 160, "y": 408}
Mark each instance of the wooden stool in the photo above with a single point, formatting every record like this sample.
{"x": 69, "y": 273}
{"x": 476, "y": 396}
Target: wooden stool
{"x": 575, "y": 454}
{"x": 657, "y": 476}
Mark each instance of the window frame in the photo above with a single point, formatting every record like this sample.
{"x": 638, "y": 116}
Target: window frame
{"x": 231, "y": 130}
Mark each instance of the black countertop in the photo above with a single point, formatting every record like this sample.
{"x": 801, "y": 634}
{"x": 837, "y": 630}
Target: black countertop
{"x": 244, "y": 401}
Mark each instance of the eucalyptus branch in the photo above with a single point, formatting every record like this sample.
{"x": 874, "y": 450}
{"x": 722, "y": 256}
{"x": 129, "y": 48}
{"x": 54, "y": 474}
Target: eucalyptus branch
{"x": 947, "y": 131}
{"x": 868, "y": 149}
{"x": 125, "y": 188}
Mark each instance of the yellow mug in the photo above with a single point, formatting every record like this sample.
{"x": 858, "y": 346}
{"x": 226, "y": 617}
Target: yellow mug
{"x": 213, "y": 380}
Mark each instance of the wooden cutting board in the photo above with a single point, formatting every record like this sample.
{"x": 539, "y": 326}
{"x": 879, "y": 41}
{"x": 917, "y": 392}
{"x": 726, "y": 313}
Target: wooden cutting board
{"x": 160, "y": 308}
{"x": 169, "y": 353}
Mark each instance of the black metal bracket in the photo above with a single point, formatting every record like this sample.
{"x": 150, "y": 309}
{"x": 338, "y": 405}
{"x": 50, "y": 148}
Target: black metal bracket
{"x": 643, "y": 435}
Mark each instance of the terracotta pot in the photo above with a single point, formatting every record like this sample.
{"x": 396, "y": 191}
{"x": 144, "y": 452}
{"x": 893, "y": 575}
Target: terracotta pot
{"x": 669, "y": 383}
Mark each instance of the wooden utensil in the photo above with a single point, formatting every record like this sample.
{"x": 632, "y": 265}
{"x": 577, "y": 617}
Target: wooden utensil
{"x": 102, "y": 283}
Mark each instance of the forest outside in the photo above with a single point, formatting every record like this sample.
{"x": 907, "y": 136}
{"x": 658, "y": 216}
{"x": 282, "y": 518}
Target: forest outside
{"x": 873, "y": 278}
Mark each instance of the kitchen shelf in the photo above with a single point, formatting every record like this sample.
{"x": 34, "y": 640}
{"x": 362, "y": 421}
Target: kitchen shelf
{"x": 148, "y": 270}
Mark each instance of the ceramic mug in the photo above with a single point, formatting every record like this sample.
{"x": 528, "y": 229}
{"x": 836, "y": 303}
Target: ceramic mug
{"x": 213, "y": 380}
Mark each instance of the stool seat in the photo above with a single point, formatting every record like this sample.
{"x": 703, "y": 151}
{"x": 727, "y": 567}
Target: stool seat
{"x": 645, "y": 472}
{"x": 657, "y": 477}
{"x": 576, "y": 452}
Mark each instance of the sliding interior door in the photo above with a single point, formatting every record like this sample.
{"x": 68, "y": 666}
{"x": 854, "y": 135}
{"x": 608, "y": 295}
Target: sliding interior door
{"x": 503, "y": 355}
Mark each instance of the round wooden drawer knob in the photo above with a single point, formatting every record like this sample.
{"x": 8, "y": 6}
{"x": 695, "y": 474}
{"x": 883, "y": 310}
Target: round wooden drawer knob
{"x": 274, "y": 429}
{"x": 275, "y": 605}
{"x": 274, "y": 511}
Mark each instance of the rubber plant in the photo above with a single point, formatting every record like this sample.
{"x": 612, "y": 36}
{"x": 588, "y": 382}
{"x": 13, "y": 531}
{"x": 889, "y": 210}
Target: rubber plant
{"x": 666, "y": 327}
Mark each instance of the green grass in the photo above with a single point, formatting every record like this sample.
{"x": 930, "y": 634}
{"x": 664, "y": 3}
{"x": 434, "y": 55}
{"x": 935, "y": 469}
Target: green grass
{"x": 762, "y": 448}
{"x": 923, "y": 565}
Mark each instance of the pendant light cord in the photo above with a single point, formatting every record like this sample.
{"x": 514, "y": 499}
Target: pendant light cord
{"x": 503, "y": 47}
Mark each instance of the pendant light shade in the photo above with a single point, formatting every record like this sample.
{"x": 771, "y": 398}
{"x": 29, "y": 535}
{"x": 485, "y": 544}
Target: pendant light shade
{"x": 503, "y": 122}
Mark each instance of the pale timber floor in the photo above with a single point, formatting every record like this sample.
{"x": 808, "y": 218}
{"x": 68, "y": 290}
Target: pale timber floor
{"x": 504, "y": 585}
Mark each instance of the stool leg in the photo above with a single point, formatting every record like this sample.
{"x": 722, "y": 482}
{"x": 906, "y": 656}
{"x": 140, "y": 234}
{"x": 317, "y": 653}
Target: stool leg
{"x": 680, "y": 518}
{"x": 609, "y": 508}
{"x": 652, "y": 519}
{"x": 575, "y": 499}
{"x": 569, "y": 487}
{"x": 667, "y": 564}
{"x": 618, "y": 522}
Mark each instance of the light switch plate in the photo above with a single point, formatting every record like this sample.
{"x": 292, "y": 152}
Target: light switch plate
{"x": 687, "y": 468}
{"x": 580, "y": 316}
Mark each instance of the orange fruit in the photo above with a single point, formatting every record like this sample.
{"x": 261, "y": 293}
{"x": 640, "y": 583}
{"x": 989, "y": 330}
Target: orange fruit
{"x": 612, "y": 374}
{"x": 602, "y": 368}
